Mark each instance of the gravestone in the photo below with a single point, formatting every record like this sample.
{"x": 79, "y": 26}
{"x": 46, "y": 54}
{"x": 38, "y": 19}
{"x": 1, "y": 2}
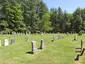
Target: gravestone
{"x": 27, "y": 38}
{"x": 77, "y": 57}
{"x": 12, "y": 41}
{"x": 75, "y": 38}
{"x": 81, "y": 44}
{"x": 54, "y": 38}
{"x": 42, "y": 45}
{"x": 19, "y": 34}
{"x": 6, "y": 42}
{"x": 34, "y": 48}
{"x": 58, "y": 37}
{"x": 1, "y": 33}
{"x": 68, "y": 33}
{"x": 41, "y": 34}
{"x": 14, "y": 33}
{"x": 0, "y": 42}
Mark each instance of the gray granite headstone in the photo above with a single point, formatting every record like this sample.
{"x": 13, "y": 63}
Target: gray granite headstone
{"x": 34, "y": 48}
{"x": 12, "y": 41}
{"x": 6, "y": 42}
{"x": 42, "y": 45}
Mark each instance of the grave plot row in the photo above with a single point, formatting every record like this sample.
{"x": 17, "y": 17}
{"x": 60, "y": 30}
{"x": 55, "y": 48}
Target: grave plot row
{"x": 34, "y": 47}
{"x": 80, "y": 51}
{"x": 6, "y": 42}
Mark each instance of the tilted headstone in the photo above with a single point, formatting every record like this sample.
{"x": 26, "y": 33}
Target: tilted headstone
{"x": 34, "y": 48}
{"x": 6, "y": 42}
{"x": 12, "y": 41}
{"x": 42, "y": 45}
{"x": 0, "y": 42}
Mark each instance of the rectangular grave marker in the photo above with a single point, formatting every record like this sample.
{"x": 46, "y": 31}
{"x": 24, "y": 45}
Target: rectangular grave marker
{"x": 12, "y": 41}
{"x": 81, "y": 44}
{"x": 42, "y": 45}
{"x": 6, "y": 42}
{"x": 0, "y": 42}
{"x": 34, "y": 48}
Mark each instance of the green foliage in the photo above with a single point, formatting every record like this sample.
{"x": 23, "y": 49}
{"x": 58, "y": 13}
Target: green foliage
{"x": 13, "y": 15}
{"x": 45, "y": 25}
{"x": 33, "y": 16}
{"x": 81, "y": 32}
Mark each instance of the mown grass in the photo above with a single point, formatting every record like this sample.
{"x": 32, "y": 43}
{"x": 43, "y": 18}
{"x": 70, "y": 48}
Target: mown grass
{"x": 58, "y": 52}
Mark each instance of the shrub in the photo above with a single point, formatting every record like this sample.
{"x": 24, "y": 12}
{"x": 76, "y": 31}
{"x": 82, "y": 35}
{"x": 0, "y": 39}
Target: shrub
{"x": 81, "y": 32}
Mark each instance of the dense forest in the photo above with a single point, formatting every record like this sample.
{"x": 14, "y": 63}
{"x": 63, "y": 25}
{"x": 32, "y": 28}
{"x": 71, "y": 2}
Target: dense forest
{"x": 33, "y": 16}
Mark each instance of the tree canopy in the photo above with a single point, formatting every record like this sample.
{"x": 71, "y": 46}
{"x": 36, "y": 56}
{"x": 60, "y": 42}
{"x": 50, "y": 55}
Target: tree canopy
{"x": 33, "y": 16}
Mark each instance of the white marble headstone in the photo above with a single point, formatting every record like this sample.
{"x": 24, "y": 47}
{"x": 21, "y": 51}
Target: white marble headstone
{"x": 6, "y": 42}
{"x": 0, "y": 42}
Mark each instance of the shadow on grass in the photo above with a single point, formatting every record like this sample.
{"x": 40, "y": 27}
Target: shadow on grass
{"x": 77, "y": 48}
{"x": 78, "y": 51}
{"x": 30, "y": 52}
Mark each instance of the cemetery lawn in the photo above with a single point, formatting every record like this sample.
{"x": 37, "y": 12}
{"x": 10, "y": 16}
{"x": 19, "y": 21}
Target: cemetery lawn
{"x": 58, "y": 52}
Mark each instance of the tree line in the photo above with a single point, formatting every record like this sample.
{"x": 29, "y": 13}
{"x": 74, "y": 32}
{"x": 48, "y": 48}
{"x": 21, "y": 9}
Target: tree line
{"x": 33, "y": 16}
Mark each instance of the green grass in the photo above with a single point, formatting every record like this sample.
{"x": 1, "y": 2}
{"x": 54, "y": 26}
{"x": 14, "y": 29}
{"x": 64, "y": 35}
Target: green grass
{"x": 58, "y": 52}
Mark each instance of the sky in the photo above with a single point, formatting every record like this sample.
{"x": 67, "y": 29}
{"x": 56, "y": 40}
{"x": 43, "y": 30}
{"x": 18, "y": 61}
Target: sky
{"x": 68, "y": 5}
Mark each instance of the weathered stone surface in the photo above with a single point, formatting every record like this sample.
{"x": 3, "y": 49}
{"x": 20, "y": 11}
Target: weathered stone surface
{"x": 81, "y": 44}
{"x": 34, "y": 48}
{"x": 42, "y": 45}
{"x": 12, "y": 41}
